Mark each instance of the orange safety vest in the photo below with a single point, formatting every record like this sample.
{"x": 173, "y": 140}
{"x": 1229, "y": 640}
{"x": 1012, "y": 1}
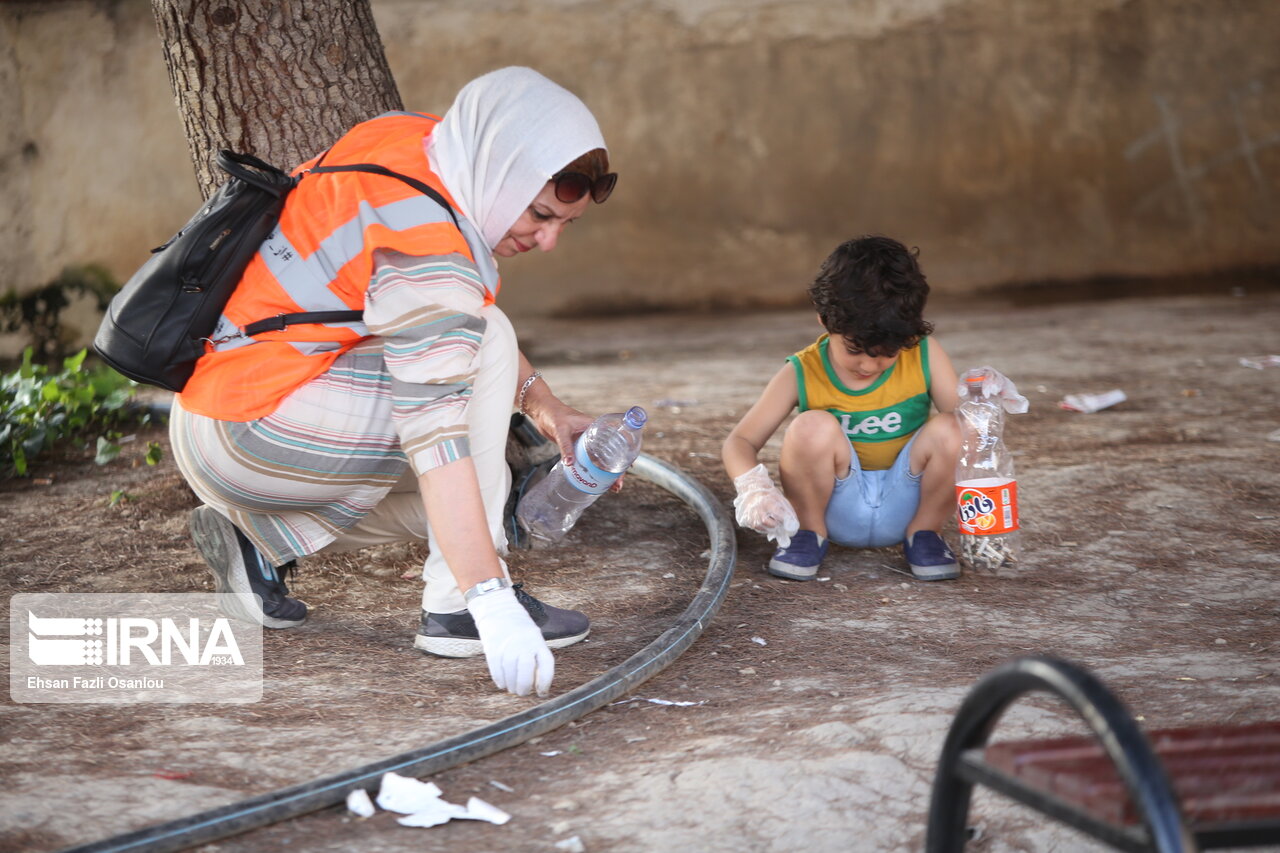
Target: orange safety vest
{"x": 320, "y": 258}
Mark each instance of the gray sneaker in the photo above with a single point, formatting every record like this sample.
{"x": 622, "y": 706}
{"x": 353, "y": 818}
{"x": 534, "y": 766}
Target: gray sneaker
{"x": 238, "y": 567}
{"x": 454, "y": 635}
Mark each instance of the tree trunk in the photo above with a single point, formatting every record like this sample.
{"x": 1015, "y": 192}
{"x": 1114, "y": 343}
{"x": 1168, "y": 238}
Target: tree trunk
{"x": 280, "y": 80}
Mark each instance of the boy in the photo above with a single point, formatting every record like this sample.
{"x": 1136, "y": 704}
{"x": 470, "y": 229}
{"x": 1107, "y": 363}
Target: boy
{"x": 863, "y": 464}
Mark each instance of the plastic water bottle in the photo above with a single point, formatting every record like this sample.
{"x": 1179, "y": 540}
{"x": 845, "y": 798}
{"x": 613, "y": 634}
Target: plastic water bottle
{"x": 986, "y": 490}
{"x": 602, "y": 453}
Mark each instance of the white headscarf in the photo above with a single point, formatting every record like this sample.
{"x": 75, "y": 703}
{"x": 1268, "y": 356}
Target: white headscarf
{"x": 504, "y": 137}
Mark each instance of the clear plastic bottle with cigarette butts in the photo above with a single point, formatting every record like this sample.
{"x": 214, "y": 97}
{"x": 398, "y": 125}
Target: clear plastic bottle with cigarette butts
{"x": 986, "y": 490}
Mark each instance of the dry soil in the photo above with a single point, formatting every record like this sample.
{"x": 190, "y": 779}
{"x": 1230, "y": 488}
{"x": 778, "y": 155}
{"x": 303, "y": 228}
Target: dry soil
{"x": 1148, "y": 554}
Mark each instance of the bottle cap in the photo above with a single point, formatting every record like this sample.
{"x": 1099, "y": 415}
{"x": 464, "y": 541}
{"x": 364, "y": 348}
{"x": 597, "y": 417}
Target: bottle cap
{"x": 636, "y": 417}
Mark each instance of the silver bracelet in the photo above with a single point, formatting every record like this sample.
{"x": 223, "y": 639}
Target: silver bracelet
{"x": 485, "y": 586}
{"x": 524, "y": 389}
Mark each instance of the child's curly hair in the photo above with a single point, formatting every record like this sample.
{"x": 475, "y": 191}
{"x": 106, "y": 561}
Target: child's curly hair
{"x": 872, "y": 292}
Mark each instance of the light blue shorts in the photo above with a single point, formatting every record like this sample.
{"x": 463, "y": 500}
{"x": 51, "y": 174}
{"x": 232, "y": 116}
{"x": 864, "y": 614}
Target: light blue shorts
{"x": 871, "y": 509}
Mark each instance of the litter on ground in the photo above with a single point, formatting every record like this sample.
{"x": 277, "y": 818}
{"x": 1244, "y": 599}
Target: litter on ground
{"x": 422, "y": 803}
{"x": 358, "y": 803}
{"x": 659, "y": 702}
{"x": 1089, "y": 403}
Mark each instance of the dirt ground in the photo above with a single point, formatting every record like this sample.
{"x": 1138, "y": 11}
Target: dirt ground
{"x": 1150, "y": 554}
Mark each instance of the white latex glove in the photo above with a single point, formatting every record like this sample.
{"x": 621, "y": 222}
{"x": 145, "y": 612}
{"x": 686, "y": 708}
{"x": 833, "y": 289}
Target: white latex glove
{"x": 995, "y": 384}
{"x": 761, "y": 507}
{"x": 518, "y": 657}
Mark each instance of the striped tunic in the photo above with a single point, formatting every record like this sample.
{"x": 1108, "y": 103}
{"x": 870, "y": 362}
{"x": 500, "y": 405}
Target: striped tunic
{"x": 293, "y": 479}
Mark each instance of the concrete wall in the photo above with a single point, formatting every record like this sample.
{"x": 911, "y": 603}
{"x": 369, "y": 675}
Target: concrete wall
{"x": 1011, "y": 140}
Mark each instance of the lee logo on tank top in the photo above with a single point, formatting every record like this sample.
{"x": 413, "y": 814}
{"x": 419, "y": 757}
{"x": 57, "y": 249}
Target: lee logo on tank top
{"x": 871, "y": 426}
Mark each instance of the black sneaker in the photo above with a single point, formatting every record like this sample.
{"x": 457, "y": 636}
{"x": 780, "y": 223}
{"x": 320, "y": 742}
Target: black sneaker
{"x": 454, "y": 635}
{"x": 238, "y": 567}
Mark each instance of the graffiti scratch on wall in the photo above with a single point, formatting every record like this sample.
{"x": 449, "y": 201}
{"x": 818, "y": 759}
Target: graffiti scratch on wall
{"x": 1186, "y": 178}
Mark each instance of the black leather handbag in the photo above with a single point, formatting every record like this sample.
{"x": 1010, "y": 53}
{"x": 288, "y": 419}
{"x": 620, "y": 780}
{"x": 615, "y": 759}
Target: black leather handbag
{"x": 155, "y": 328}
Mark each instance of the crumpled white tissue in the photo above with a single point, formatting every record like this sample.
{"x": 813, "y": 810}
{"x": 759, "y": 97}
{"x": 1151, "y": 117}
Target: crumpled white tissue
{"x": 358, "y": 803}
{"x": 423, "y": 806}
{"x": 433, "y": 813}
{"x": 406, "y": 796}
{"x": 1090, "y": 403}
{"x": 440, "y": 812}
{"x": 478, "y": 809}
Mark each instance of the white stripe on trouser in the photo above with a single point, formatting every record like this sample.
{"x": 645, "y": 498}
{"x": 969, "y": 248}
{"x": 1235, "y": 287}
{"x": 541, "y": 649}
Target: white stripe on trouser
{"x": 400, "y": 516}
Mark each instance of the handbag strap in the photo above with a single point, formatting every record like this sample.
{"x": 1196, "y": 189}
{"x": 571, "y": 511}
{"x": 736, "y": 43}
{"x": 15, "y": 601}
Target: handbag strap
{"x": 259, "y": 173}
{"x": 375, "y": 169}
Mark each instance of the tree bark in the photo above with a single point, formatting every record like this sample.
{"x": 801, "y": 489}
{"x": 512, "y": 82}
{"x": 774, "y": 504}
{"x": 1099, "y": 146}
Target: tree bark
{"x": 280, "y": 80}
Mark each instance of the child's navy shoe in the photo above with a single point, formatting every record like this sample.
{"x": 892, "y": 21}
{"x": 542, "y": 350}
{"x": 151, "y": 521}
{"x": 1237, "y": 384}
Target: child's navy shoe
{"x": 929, "y": 557}
{"x": 799, "y": 561}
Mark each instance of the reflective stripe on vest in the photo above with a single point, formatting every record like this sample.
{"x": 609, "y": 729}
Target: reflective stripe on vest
{"x": 320, "y": 258}
{"x": 306, "y": 279}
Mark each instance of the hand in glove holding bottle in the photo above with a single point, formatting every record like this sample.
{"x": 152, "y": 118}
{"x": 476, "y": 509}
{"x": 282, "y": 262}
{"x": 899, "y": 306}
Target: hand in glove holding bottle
{"x": 761, "y": 506}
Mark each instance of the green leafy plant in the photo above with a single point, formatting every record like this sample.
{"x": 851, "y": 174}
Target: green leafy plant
{"x": 41, "y": 407}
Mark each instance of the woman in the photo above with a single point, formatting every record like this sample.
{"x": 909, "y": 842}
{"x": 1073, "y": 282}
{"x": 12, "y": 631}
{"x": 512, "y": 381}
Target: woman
{"x": 337, "y": 437}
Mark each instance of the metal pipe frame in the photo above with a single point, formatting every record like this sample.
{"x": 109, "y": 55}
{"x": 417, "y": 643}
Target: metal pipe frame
{"x": 1163, "y": 829}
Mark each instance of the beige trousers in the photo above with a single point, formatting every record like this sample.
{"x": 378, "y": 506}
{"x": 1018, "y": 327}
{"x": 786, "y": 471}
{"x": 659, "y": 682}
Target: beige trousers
{"x": 401, "y": 517}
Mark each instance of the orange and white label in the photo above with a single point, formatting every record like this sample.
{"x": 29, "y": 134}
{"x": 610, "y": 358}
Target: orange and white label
{"x": 988, "y": 506}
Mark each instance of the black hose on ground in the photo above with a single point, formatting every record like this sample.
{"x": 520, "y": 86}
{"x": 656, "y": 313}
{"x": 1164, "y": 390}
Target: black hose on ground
{"x": 297, "y": 800}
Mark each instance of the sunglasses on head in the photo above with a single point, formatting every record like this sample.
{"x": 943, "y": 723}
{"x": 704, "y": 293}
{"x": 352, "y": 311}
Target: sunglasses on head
{"x": 572, "y": 186}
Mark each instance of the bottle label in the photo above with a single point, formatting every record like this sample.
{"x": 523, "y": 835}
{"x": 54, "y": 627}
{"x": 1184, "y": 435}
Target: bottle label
{"x": 988, "y": 506}
{"x": 584, "y": 476}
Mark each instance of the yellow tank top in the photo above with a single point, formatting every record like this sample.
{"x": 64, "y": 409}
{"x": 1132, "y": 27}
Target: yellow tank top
{"x": 879, "y": 419}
